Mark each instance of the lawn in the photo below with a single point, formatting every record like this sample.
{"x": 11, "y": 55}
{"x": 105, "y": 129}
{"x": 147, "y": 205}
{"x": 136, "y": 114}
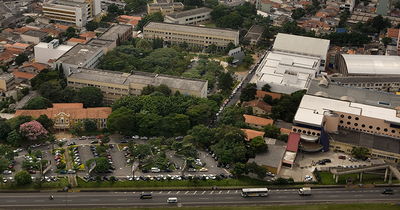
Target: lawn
{"x": 62, "y": 182}
{"x": 240, "y": 68}
{"x": 361, "y": 206}
{"x": 210, "y": 25}
{"x": 327, "y": 179}
{"x": 242, "y": 182}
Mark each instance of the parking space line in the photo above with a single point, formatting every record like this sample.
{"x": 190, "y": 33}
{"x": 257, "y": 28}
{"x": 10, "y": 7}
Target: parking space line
{"x": 178, "y": 192}
{"x": 186, "y": 192}
{"x": 151, "y": 192}
{"x": 195, "y": 192}
{"x": 211, "y": 192}
{"x": 203, "y": 192}
{"x": 134, "y": 192}
{"x": 160, "y": 192}
{"x": 169, "y": 192}
{"x": 236, "y": 191}
{"x": 142, "y": 192}
{"x": 228, "y": 191}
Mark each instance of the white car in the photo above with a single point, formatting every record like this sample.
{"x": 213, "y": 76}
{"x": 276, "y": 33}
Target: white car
{"x": 178, "y": 177}
{"x": 63, "y": 140}
{"x": 135, "y": 137}
{"x": 7, "y": 172}
{"x": 212, "y": 176}
{"x": 129, "y": 178}
{"x": 207, "y": 178}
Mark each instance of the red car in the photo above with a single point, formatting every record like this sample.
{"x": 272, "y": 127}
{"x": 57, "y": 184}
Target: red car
{"x": 128, "y": 155}
{"x": 342, "y": 157}
{"x": 99, "y": 137}
{"x": 10, "y": 167}
{"x": 32, "y": 171}
{"x": 57, "y": 157}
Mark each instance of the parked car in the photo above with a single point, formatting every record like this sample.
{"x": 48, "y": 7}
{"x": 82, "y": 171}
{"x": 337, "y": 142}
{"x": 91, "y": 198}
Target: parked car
{"x": 342, "y": 157}
{"x": 327, "y": 160}
{"x": 123, "y": 141}
{"x": 71, "y": 171}
{"x": 82, "y": 138}
{"x": 203, "y": 169}
{"x": 144, "y": 138}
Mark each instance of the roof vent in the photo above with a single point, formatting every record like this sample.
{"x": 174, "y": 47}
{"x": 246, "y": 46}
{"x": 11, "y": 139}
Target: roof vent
{"x": 321, "y": 93}
{"x": 323, "y": 82}
{"x": 347, "y": 98}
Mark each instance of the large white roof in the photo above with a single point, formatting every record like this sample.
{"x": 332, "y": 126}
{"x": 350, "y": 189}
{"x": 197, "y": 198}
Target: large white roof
{"x": 301, "y": 44}
{"x": 372, "y": 64}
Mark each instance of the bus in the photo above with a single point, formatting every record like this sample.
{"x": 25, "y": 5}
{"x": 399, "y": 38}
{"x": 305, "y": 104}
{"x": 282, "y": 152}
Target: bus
{"x": 254, "y": 192}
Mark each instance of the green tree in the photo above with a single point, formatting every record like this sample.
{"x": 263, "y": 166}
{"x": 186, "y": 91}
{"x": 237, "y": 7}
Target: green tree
{"x": 202, "y": 135}
{"x": 283, "y": 137}
{"x": 4, "y": 163}
{"x": 14, "y": 138}
{"x": 225, "y": 81}
{"x": 102, "y": 163}
{"x": 89, "y": 125}
{"x": 233, "y": 20}
{"x": 112, "y": 8}
{"x": 219, "y": 11}
{"x": 211, "y": 3}
{"x": 239, "y": 169}
{"x": 105, "y": 138}
{"x": 233, "y": 115}
{"x": 38, "y": 103}
{"x": 90, "y": 97}
{"x": 249, "y": 92}
{"x": 248, "y": 60}
{"x": 29, "y": 20}
{"x": 141, "y": 151}
{"x": 230, "y": 59}
{"x": 298, "y": 13}
{"x": 23, "y": 178}
{"x": 164, "y": 89}
{"x": 386, "y": 40}
{"x": 176, "y": 124}
{"x": 91, "y": 26}
{"x": 46, "y": 122}
{"x": 5, "y": 129}
{"x": 271, "y": 131}
{"x": 21, "y": 58}
{"x": 258, "y": 144}
{"x": 266, "y": 88}
{"x": 359, "y": 152}
{"x": 157, "y": 17}
{"x": 144, "y": 44}
{"x": 261, "y": 172}
{"x": 122, "y": 120}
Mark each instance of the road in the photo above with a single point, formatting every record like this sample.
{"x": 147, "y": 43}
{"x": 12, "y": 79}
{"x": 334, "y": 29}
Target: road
{"x": 194, "y": 198}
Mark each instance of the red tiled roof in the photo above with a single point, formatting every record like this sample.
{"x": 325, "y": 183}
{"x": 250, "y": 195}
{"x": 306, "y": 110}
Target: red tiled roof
{"x": 9, "y": 29}
{"x": 252, "y": 133}
{"x": 277, "y": 5}
{"x": 24, "y": 29}
{"x": 25, "y": 75}
{"x": 267, "y": 2}
{"x": 261, "y": 94}
{"x": 38, "y": 66}
{"x": 89, "y": 34}
{"x": 63, "y": 27}
{"x": 51, "y": 31}
{"x": 321, "y": 14}
{"x": 133, "y": 22}
{"x": 334, "y": 8}
{"x": 257, "y": 120}
{"x": 75, "y": 113}
{"x": 77, "y": 40}
{"x": 67, "y": 105}
{"x": 293, "y": 142}
{"x": 393, "y": 33}
{"x": 258, "y": 103}
{"x": 285, "y": 130}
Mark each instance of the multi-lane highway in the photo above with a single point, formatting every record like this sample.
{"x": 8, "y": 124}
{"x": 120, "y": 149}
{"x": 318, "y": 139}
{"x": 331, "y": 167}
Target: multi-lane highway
{"x": 193, "y": 198}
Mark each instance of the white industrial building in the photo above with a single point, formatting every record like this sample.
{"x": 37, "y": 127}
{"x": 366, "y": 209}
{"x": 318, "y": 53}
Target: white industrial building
{"x": 78, "y": 12}
{"x": 367, "y": 65}
{"x": 45, "y": 52}
{"x": 190, "y": 17}
{"x": 292, "y": 63}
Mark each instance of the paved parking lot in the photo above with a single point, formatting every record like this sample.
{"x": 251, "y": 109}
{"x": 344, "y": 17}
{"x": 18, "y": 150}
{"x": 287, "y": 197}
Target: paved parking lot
{"x": 305, "y": 167}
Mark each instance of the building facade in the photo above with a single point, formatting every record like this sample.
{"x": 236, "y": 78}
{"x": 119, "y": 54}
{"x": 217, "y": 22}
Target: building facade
{"x": 193, "y": 35}
{"x": 78, "y": 12}
{"x": 7, "y": 82}
{"x": 115, "y": 85}
{"x": 265, "y": 5}
{"x": 164, "y": 8}
{"x": 257, "y": 122}
{"x": 48, "y": 51}
{"x": 190, "y": 17}
{"x": 117, "y": 32}
{"x": 66, "y": 116}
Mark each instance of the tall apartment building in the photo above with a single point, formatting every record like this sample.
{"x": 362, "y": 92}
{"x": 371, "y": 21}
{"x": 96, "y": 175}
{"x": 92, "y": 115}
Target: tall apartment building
{"x": 79, "y": 12}
{"x": 190, "y": 17}
{"x": 115, "y": 85}
{"x": 193, "y": 35}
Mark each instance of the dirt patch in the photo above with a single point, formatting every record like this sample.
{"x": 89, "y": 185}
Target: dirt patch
{"x": 61, "y": 135}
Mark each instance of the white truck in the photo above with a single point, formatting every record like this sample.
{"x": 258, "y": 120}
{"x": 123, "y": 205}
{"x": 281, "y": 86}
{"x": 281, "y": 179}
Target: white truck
{"x": 155, "y": 170}
{"x": 305, "y": 191}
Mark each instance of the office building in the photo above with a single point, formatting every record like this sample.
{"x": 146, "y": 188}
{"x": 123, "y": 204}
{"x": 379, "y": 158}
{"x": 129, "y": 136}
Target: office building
{"x": 115, "y": 85}
{"x": 117, "y": 32}
{"x": 292, "y": 63}
{"x": 193, "y": 35}
{"x": 337, "y": 117}
{"x": 49, "y": 51}
{"x": 166, "y": 7}
{"x": 78, "y": 12}
{"x": 190, "y": 17}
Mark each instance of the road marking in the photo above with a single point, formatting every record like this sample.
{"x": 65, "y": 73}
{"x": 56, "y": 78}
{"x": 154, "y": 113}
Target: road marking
{"x": 282, "y": 196}
{"x": 333, "y": 196}
{"x": 203, "y": 198}
{"x": 220, "y": 192}
{"x": 236, "y": 191}
{"x": 186, "y": 192}
{"x": 134, "y": 192}
{"x": 195, "y": 192}
{"x": 211, "y": 192}
{"x": 169, "y": 192}
{"x": 151, "y": 192}
{"x": 178, "y": 192}
{"x": 122, "y": 199}
{"x": 203, "y": 192}
{"x": 160, "y": 192}
{"x": 39, "y": 200}
{"x": 228, "y": 191}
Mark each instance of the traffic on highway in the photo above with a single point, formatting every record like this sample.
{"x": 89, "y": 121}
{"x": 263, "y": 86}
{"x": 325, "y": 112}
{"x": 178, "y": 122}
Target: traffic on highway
{"x": 195, "y": 197}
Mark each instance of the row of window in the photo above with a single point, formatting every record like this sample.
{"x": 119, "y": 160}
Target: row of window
{"x": 305, "y": 132}
{"x": 372, "y": 84}
{"x": 98, "y": 86}
{"x": 57, "y": 11}
{"x": 198, "y": 17}
{"x": 370, "y": 127}
{"x": 186, "y": 35}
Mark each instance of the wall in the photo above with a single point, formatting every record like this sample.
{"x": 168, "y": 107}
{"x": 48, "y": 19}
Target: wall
{"x": 27, "y": 38}
{"x": 278, "y": 88}
{"x": 3, "y": 85}
{"x": 43, "y": 55}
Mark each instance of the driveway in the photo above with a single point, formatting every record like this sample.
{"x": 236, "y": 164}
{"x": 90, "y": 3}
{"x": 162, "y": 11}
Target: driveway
{"x": 25, "y": 99}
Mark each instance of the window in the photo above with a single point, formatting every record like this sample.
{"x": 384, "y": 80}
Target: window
{"x": 342, "y": 116}
{"x": 355, "y": 124}
{"x": 76, "y": 120}
{"x": 363, "y": 125}
{"x": 348, "y": 123}
{"x": 393, "y": 131}
{"x": 385, "y": 129}
{"x": 341, "y": 121}
{"x": 56, "y": 120}
{"x": 349, "y": 117}
{"x": 356, "y": 118}
{"x": 294, "y": 129}
{"x": 66, "y": 120}
{"x": 378, "y": 128}
{"x": 370, "y": 127}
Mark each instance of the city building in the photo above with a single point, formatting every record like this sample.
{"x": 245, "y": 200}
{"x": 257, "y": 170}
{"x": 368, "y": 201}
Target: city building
{"x": 80, "y": 56}
{"x": 7, "y": 82}
{"x": 382, "y": 7}
{"x": 292, "y": 63}
{"x": 261, "y": 94}
{"x": 49, "y": 51}
{"x": 254, "y": 34}
{"x": 377, "y": 83}
{"x": 74, "y": 41}
{"x": 114, "y": 84}
{"x": 66, "y": 115}
{"x": 265, "y": 5}
{"x": 166, "y": 7}
{"x": 259, "y": 107}
{"x": 340, "y": 117}
{"x": 117, "y": 32}
{"x": 237, "y": 55}
{"x": 257, "y": 122}
{"x": 34, "y": 36}
{"x": 78, "y": 12}
{"x": 88, "y": 35}
{"x": 366, "y": 65}
{"x": 271, "y": 159}
{"x": 193, "y": 35}
{"x": 190, "y": 17}
{"x": 250, "y": 134}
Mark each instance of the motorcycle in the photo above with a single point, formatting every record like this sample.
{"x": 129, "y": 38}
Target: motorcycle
{"x": 51, "y": 197}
